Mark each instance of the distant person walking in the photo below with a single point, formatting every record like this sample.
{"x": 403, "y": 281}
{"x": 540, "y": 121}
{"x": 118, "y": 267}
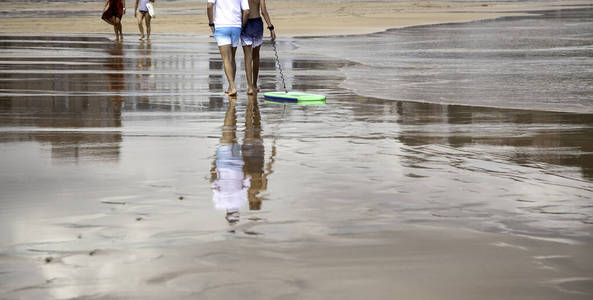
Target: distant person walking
{"x": 141, "y": 13}
{"x": 112, "y": 14}
{"x": 252, "y": 37}
{"x": 226, "y": 26}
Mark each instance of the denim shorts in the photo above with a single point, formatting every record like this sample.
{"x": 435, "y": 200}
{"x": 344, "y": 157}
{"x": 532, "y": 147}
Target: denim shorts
{"x": 227, "y": 36}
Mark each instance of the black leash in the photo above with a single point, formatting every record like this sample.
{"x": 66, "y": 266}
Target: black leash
{"x": 279, "y": 65}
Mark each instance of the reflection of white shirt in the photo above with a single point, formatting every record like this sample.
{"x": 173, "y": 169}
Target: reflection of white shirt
{"x": 229, "y": 188}
{"x": 228, "y": 13}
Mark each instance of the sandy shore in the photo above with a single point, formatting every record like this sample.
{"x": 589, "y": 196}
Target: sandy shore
{"x": 410, "y": 263}
{"x": 109, "y": 154}
{"x": 290, "y": 17}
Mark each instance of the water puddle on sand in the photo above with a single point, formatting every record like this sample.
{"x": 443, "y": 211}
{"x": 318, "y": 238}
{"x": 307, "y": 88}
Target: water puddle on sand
{"x": 542, "y": 62}
{"x": 130, "y": 154}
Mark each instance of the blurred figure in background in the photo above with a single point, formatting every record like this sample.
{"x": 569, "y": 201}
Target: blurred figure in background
{"x": 112, "y": 14}
{"x": 141, "y": 13}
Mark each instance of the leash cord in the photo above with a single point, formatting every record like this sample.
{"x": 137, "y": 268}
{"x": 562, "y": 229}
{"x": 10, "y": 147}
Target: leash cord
{"x": 279, "y": 65}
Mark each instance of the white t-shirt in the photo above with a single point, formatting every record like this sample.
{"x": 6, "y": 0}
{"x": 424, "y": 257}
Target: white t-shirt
{"x": 228, "y": 13}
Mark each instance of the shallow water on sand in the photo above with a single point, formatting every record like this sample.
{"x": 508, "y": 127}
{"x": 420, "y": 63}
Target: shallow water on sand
{"x": 116, "y": 148}
{"x": 541, "y": 62}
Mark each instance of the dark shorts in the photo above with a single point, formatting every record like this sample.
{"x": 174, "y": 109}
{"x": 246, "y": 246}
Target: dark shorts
{"x": 117, "y": 9}
{"x": 253, "y": 33}
{"x": 114, "y": 12}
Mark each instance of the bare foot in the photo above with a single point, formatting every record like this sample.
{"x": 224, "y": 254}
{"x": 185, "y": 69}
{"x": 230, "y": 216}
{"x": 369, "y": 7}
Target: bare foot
{"x": 233, "y": 92}
{"x": 141, "y": 38}
{"x": 250, "y": 91}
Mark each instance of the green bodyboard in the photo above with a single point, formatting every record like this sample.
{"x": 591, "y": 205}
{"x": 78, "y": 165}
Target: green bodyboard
{"x": 293, "y": 97}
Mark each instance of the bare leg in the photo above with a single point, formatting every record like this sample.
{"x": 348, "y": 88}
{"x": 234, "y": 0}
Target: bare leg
{"x": 247, "y": 51}
{"x": 117, "y": 26}
{"x": 226, "y": 52}
{"x": 121, "y": 34}
{"x": 147, "y": 20}
{"x": 233, "y": 67}
{"x": 139, "y": 17}
{"x": 233, "y": 52}
{"x": 116, "y": 32}
{"x": 114, "y": 20}
{"x": 256, "y": 67}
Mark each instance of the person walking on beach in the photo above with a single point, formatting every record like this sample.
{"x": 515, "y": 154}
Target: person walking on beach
{"x": 226, "y": 26}
{"x": 112, "y": 13}
{"x": 141, "y": 13}
{"x": 252, "y": 37}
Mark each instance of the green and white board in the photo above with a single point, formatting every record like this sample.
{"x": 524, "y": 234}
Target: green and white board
{"x": 305, "y": 103}
{"x": 293, "y": 97}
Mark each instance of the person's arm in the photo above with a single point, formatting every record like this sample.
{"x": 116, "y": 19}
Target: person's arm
{"x": 124, "y": 4}
{"x": 106, "y": 4}
{"x": 245, "y": 8}
{"x": 210, "y": 13}
{"x": 136, "y": 8}
{"x": 245, "y": 18}
{"x": 264, "y": 13}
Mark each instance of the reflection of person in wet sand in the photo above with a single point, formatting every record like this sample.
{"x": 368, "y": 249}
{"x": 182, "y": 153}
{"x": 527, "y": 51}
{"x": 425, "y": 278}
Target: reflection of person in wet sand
{"x": 115, "y": 75}
{"x": 238, "y": 174}
{"x": 141, "y": 13}
{"x": 228, "y": 183}
{"x": 253, "y": 154}
{"x": 144, "y": 56}
{"x": 144, "y": 82}
{"x": 116, "y": 67}
{"x": 116, "y": 9}
{"x": 252, "y": 37}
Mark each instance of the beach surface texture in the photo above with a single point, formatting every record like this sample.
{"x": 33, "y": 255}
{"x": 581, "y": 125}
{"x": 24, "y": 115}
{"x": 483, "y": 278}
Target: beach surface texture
{"x": 452, "y": 158}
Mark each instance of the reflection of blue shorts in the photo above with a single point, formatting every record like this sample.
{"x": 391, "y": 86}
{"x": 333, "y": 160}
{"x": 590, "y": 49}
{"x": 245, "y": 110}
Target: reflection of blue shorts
{"x": 227, "y": 36}
{"x": 253, "y": 33}
{"x": 229, "y": 156}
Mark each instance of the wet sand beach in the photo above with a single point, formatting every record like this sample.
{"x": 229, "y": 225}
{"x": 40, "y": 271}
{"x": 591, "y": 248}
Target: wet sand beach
{"x": 127, "y": 173}
{"x": 293, "y": 18}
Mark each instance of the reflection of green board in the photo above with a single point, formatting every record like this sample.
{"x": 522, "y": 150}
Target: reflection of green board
{"x": 294, "y": 97}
